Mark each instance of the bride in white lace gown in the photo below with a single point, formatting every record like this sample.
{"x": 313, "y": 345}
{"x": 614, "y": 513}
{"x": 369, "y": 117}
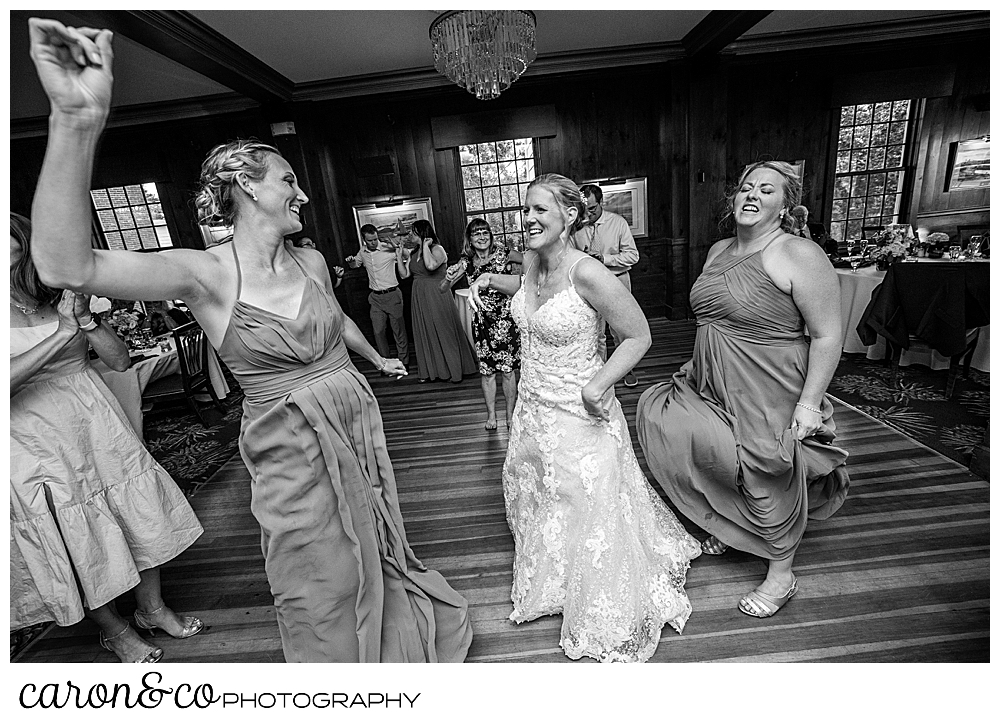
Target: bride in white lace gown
{"x": 592, "y": 540}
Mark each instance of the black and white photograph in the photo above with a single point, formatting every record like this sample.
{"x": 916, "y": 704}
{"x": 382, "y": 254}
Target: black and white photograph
{"x": 562, "y": 336}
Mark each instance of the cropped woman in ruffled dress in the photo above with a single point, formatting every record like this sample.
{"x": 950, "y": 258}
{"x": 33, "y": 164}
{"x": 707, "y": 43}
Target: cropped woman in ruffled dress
{"x": 592, "y": 540}
{"x": 92, "y": 514}
{"x": 346, "y": 585}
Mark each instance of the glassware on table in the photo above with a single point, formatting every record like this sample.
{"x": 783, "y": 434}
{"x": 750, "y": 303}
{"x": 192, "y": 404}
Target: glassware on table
{"x": 974, "y": 249}
{"x": 954, "y": 252}
{"x": 855, "y": 263}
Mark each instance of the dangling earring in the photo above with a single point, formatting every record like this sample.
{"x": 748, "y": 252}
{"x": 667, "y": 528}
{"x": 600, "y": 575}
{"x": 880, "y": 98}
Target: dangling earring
{"x": 253, "y": 195}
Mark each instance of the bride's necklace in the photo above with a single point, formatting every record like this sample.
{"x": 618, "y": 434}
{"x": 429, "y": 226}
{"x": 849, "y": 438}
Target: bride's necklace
{"x": 539, "y": 281}
{"x": 26, "y": 310}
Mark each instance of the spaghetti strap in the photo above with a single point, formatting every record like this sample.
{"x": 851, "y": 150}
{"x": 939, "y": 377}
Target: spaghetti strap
{"x": 569, "y": 273}
{"x": 239, "y": 274}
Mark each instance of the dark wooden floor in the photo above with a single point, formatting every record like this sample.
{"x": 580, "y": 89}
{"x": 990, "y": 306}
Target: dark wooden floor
{"x": 901, "y": 573}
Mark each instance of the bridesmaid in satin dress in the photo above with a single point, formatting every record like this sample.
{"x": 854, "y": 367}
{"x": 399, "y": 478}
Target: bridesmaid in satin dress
{"x": 346, "y": 585}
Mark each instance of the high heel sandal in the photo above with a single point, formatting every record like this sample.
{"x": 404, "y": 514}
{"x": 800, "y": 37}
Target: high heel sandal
{"x": 192, "y": 625}
{"x": 761, "y": 605}
{"x": 153, "y": 656}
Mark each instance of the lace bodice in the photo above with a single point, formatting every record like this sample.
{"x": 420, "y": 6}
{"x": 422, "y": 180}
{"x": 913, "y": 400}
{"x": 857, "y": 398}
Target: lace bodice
{"x": 591, "y": 539}
{"x": 558, "y": 348}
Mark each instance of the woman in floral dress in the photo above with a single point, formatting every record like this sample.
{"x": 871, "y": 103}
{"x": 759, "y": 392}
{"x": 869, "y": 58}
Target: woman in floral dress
{"x": 498, "y": 343}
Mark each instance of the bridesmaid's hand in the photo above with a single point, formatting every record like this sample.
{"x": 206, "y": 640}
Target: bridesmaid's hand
{"x": 74, "y": 67}
{"x": 805, "y": 423}
{"x": 394, "y": 367}
{"x": 479, "y": 285}
{"x": 597, "y": 403}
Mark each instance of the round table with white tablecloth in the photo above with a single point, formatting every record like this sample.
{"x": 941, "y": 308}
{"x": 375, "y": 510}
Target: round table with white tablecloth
{"x": 127, "y": 386}
{"x": 465, "y": 313}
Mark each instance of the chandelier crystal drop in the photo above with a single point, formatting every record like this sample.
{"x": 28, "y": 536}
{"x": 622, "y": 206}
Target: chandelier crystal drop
{"x": 484, "y": 51}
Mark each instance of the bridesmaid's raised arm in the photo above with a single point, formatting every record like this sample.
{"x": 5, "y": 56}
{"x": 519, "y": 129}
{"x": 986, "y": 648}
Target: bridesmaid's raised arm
{"x": 74, "y": 66}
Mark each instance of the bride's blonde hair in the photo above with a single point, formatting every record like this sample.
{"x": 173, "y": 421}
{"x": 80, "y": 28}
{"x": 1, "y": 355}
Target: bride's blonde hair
{"x": 567, "y": 195}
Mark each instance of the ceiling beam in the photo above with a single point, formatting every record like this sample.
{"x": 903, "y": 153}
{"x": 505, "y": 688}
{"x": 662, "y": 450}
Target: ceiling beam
{"x": 183, "y": 38}
{"x": 719, "y": 29}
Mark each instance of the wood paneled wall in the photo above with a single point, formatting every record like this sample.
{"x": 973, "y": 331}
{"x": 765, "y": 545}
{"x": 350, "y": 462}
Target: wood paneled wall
{"x": 687, "y": 127}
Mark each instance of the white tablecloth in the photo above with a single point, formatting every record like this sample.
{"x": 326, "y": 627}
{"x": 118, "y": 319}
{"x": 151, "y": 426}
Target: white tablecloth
{"x": 465, "y": 313}
{"x": 856, "y": 289}
{"x": 127, "y": 386}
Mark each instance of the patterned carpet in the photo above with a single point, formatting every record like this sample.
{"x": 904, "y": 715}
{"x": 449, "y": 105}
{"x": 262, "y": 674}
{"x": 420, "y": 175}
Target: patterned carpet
{"x": 916, "y": 405}
{"x": 189, "y": 451}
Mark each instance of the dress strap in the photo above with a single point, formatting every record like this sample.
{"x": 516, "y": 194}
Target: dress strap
{"x": 569, "y": 273}
{"x": 768, "y": 244}
{"x": 239, "y": 274}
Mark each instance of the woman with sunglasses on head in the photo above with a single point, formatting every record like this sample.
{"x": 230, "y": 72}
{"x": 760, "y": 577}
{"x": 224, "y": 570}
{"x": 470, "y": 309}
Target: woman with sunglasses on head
{"x": 498, "y": 344}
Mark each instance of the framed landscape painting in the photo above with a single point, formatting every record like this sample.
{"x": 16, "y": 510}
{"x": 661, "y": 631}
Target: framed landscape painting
{"x": 628, "y": 199}
{"x": 970, "y": 165}
{"x": 395, "y": 219}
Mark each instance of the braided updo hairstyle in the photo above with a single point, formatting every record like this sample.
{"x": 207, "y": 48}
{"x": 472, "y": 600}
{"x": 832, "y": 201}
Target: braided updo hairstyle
{"x": 567, "y": 195}
{"x": 215, "y": 200}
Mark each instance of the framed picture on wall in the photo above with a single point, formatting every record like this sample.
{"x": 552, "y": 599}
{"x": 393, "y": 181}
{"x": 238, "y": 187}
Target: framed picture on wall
{"x": 628, "y": 199}
{"x": 395, "y": 219}
{"x": 970, "y": 165}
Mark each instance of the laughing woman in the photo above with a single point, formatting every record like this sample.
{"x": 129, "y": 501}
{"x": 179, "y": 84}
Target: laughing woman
{"x": 592, "y": 540}
{"x": 740, "y": 438}
{"x": 346, "y": 585}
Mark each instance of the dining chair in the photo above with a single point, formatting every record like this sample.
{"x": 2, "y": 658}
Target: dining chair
{"x": 960, "y": 362}
{"x": 193, "y": 378}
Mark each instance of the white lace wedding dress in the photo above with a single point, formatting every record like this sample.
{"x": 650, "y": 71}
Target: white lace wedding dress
{"x": 592, "y": 540}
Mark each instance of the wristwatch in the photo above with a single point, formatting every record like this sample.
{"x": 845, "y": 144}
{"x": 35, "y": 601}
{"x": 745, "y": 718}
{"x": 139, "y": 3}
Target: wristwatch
{"x": 95, "y": 321}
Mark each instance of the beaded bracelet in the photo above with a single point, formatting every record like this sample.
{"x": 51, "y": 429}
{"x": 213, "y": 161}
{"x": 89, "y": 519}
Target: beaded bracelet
{"x": 811, "y": 409}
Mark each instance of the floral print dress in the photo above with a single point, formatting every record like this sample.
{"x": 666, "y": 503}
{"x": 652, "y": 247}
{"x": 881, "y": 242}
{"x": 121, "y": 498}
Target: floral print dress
{"x": 498, "y": 343}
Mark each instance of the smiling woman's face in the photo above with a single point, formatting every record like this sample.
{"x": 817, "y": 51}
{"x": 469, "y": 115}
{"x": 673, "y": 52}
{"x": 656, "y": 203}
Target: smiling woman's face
{"x": 544, "y": 218}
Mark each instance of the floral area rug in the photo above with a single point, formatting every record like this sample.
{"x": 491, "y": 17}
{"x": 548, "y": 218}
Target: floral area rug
{"x": 916, "y": 405}
{"x": 189, "y": 451}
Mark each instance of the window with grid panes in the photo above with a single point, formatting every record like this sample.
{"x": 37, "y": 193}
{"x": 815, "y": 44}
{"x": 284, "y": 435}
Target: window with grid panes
{"x": 872, "y": 148}
{"x": 131, "y": 217}
{"x": 495, "y": 179}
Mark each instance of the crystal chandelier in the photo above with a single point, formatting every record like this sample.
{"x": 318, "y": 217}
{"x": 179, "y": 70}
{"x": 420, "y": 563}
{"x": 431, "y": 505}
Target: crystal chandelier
{"x": 484, "y": 51}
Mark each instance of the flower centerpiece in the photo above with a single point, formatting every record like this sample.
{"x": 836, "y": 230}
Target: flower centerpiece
{"x": 937, "y": 244}
{"x": 127, "y": 323}
{"x": 888, "y": 254}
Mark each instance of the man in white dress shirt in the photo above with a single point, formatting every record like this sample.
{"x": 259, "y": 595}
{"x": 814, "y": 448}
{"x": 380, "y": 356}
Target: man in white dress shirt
{"x": 608, "y": 239}
{"x": 386, "y": 299}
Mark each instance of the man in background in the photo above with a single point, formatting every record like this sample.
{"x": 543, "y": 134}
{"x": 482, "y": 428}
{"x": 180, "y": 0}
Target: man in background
{"x": 608, "y": 239}
{"x": 382, "y": 262}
